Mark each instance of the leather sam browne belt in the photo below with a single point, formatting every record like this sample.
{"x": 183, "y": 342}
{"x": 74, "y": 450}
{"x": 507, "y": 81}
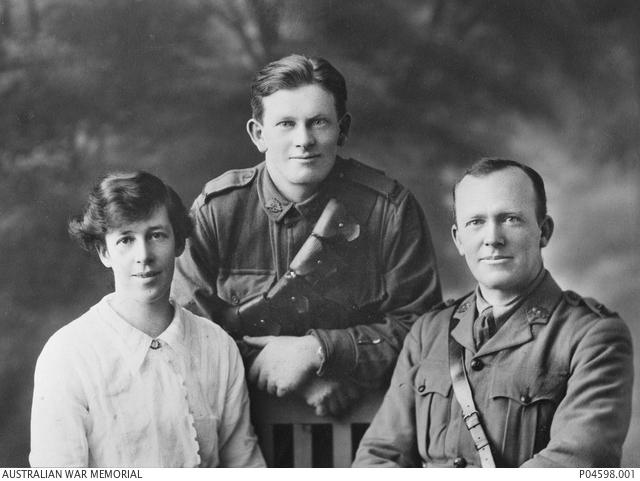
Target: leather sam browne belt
{"x": 462, "y": 391}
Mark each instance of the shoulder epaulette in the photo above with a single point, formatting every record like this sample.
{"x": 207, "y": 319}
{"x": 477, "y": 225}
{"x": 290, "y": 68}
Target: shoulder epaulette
{"x": 572, "y": 298}
{"x": 370, "y": 177}
{"x": 232, "y": 179}
{"x": 598, "y": 307}
{"x": 593, "y": 305}
{"x": 449, "y": 302}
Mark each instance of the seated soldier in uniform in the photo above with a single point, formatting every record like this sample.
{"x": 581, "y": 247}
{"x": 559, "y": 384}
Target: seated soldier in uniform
{"x": 517, "y": 373}
{"x": 319, "y": 264}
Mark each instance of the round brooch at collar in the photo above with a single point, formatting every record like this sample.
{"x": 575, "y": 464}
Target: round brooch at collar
{"x": 155, "y": 344}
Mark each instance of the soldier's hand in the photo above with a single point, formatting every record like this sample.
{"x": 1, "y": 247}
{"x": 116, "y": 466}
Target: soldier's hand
{"x": 284, "y": 363}
{"x": 329, "y": 397}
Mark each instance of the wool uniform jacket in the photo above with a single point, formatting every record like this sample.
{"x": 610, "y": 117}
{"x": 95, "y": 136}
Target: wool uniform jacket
{"x": 247, "y": 233}
{"x": 553, "y": 387}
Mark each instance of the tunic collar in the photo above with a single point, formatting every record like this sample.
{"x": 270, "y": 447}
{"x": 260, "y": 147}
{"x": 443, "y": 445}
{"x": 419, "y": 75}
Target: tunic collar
{"x": 502, "y": 312}
{"x": 279, "y": 208}
{"x": 273, "y": 202}
{"x": 536, "y": 308}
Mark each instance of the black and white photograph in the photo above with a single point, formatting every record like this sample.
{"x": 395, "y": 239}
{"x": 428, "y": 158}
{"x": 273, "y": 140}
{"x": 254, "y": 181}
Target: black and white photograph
{"x": 320, "y": 234}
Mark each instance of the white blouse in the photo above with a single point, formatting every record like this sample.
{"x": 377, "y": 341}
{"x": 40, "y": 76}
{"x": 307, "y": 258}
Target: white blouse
{"x": 107, "y": 394}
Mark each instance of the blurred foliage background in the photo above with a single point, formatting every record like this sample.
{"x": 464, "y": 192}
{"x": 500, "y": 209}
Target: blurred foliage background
{"x": 88, "y": 87}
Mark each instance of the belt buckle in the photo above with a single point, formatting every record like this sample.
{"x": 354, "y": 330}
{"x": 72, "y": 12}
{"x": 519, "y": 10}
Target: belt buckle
{"x": 472, "y": 420}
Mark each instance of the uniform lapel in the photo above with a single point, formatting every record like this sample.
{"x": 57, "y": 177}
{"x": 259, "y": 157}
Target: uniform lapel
{"x": 536, "y": 309}
{"x": 465, "y": 313}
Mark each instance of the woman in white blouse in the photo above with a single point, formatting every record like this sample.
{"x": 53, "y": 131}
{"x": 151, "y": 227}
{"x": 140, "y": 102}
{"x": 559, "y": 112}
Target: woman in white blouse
{"x": 138, "y": 381}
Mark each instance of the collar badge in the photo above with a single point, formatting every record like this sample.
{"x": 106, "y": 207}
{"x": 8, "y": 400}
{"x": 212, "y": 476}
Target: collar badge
{"x": 274, "y": 206}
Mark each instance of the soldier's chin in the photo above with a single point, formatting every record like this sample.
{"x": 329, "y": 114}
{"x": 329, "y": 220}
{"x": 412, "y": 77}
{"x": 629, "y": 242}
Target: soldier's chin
{"x": 309, "y": 178}
{"x": 498, "y": 281}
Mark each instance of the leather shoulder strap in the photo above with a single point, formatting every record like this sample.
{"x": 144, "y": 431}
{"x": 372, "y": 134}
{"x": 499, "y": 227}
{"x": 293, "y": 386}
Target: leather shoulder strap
{"x": 463, "y": 394}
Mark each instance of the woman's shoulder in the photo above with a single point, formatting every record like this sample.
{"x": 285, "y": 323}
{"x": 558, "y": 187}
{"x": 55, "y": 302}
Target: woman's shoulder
{"x": 206, "y": 329}
{"x": 73, "y": 338}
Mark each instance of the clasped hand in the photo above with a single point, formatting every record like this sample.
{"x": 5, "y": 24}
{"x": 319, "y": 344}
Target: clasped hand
{"x": 330, "y": 397}
{"x": 284, "y": 363}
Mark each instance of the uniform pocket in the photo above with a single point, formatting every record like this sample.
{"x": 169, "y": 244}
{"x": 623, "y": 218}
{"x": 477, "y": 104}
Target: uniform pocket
{"x": 237, "y": 286}
{"x": 432, "y": 387}
{"x": 528, "y": 400}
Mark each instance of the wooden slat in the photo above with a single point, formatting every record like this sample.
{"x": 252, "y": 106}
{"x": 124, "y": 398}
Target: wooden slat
{"x": 265, "y": 439}
{"x": 302, "y": 446}
{"x": 341, "y": 445}
{"x": 267, "y": 410}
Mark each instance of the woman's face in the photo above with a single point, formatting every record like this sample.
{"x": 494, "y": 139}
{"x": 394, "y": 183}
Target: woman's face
{"x": 141, "y": 255}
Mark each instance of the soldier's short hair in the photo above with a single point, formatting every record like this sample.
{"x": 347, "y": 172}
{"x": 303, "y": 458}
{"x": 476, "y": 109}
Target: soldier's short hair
{"x": 123, "y": 197}
{"x": 295, "y": 71}
{"x": 488, "y": 165}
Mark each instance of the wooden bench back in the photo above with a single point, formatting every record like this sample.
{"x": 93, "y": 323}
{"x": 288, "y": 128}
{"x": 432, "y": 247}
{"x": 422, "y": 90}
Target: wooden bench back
{"x": 268, "y": 411}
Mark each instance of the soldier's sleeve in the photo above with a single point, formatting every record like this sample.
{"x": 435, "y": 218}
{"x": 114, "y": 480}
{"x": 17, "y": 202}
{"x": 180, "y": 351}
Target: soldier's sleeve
{"x": 591, "y": 422}
{"x": 390, "y": 440}
{"x": 194, "y": 279}
{"x": 368, "y": 352}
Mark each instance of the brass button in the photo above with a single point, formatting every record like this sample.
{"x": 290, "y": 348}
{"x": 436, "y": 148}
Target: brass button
{"x": 525, "y": 399}
{"x": 477, "y": 365}
{"x": 460, "y": 462}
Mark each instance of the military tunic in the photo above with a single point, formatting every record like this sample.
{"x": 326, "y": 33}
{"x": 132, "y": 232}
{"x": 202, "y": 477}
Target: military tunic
{"x": 247, "y": 233}
{"x": 553, "y": 387}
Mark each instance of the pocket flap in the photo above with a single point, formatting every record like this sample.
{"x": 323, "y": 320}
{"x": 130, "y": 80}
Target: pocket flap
{"x": 528, "y": 387}
{"x": 237, "y": 287}
{"x": 432, "y": 377}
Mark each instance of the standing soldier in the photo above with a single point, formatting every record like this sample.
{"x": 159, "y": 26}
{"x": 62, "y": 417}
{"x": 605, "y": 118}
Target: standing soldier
{"x": 318, "y": 264}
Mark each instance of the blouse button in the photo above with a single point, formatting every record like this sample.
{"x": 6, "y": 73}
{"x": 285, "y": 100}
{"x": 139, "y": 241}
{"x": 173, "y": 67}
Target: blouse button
{"x": 421, "y": 389}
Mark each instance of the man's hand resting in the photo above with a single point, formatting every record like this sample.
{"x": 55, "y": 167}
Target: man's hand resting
{"x": 285, "y": 362}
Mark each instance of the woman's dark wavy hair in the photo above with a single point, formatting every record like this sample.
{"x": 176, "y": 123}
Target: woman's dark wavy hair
{"x": 124, "y": 197}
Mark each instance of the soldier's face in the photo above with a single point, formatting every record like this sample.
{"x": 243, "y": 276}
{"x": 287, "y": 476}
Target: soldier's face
{"x": 497, "y": 231}
{"x": 299, "y": 136}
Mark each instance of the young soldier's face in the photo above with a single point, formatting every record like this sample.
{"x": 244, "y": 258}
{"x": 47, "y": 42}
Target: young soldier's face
{"x": 299, "y": 138}
{"x": 497, "y": 230}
